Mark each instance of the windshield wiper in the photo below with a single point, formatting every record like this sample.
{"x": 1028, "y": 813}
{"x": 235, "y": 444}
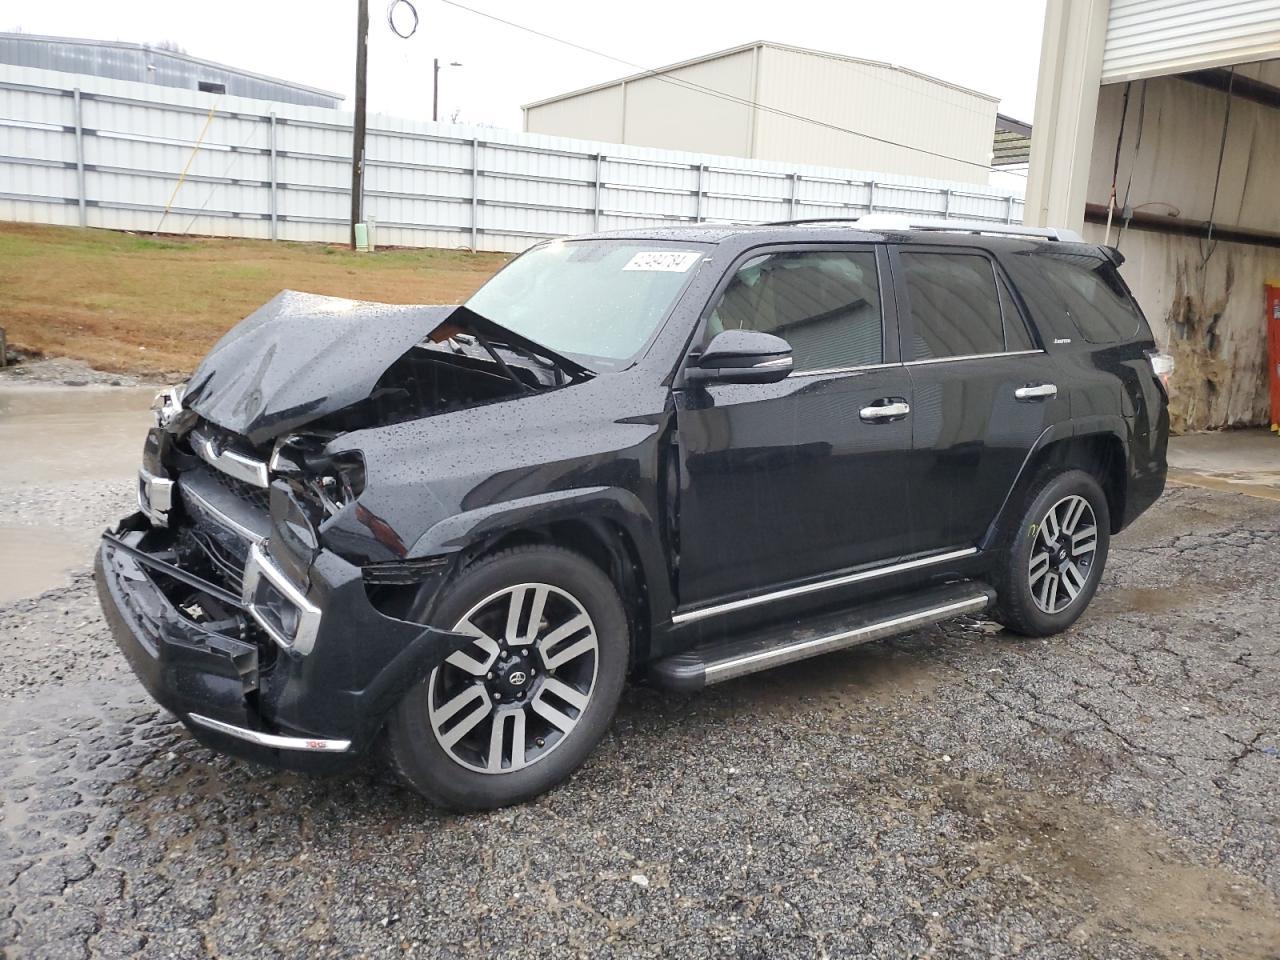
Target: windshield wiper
{"x": 502, "y": 364}
{"x": 490, "y": 335}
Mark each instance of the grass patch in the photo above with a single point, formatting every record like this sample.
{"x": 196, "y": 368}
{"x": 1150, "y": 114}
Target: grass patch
{"x": 140, "y": 304}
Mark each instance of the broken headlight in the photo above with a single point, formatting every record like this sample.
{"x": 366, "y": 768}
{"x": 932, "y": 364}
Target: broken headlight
{"x": 340, "y": 482}
{"x": 170, "y": 413}
{"x": 325, "y": 482}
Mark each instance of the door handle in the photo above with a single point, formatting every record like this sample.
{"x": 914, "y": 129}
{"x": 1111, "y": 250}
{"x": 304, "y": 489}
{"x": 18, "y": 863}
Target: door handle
{"x": 1036, "y": 391}
{"x": 888, "y": 409}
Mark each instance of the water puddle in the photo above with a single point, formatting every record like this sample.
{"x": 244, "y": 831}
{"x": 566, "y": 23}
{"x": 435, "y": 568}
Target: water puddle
{"x": 52, "y": 434}
{"x": 36, "y": 559}
{"x": 54, "y": 439}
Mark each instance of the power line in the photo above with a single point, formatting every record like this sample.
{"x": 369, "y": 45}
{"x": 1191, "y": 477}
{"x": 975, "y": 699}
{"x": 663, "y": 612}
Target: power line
{"x": 709, "y": 91}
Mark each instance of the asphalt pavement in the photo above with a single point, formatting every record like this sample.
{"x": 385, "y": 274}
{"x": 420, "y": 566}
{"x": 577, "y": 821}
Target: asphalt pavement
{"x": 959, "y": 792}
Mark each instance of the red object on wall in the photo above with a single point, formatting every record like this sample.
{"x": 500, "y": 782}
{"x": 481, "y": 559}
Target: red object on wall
{"x": 1273, "y": 351}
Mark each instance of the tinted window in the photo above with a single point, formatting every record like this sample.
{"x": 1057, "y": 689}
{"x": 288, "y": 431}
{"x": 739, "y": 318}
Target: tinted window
{"x": 955, "y": 310}
{"x": 1016, "y": 336}
{"x": 1095, "y": 299}
{"x": 826, "y": 305}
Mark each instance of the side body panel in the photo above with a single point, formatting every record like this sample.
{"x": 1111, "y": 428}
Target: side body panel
{"x": 782, "y": 483}
{"x": 1111, "y": 388}
{"x": 971, "y": 432}
{"x": 586, "y": 452}
{"x": 971, "y": 436}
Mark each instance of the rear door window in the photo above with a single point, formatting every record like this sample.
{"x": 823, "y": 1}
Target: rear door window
{"x": 954, "y": 306}
{"x": 826, "y": 304}
{"x": 1096, "y": 300}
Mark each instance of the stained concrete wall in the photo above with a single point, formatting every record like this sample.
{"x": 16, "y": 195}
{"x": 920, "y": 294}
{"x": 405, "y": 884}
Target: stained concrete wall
{"x": 1205, "y": 300}
{"x": 1210, "y": 316}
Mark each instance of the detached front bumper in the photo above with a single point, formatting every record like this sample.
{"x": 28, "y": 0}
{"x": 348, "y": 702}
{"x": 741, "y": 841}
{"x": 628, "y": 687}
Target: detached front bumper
{"x": 245, "y": 694}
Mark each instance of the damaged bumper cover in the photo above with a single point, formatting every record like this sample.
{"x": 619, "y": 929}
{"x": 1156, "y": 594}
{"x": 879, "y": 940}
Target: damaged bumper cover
{"x": 316, "y": 710}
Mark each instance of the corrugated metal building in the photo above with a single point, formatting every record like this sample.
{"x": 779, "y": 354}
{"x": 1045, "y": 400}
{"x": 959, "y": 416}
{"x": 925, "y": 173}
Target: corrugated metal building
{"x": 1158, "y": 130}
{"x": 146, "y": 64}
{"x": 760, "y": 101}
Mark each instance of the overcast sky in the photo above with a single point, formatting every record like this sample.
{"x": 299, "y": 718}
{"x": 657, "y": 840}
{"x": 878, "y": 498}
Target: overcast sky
{"x": 989, "y": 45}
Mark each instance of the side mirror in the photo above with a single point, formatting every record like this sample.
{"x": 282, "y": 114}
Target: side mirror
{"x": 742, "y": 356}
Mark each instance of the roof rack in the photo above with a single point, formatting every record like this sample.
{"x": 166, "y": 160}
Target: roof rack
{"x": 896, "y": 221}
{"x": 891, "y": 221}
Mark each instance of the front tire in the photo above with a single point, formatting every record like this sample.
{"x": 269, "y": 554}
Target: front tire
{"x": 517, "y": 712}
{"x": 1053, "y": 556}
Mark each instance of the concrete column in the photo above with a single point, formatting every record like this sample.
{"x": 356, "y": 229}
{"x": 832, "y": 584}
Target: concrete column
{"x": 1066, "y": 107}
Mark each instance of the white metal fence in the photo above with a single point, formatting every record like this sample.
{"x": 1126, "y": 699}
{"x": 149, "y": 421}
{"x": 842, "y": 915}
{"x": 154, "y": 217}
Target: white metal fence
{"x": 109, "y": 153}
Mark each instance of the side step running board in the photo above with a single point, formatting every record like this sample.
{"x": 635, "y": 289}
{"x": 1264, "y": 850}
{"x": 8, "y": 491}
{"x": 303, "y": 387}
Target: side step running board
{"x": 774, "y": 646}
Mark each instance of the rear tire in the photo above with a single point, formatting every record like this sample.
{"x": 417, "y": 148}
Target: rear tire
{"x": 519, "y": 711}
{"x": 1053, "y": 556}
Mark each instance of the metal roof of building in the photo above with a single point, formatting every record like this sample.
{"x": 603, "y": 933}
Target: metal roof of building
{"x": 1012, "y": 143}
{"x": 140, "y": 62}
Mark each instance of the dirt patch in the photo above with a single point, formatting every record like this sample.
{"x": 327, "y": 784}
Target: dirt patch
{"x": 1121, "y": 875}
{"x": 874, "y": 674}
{"x": 142, "y": 304}
{"x": 1253, "y": 485}
{"x": 1137, "y": 600}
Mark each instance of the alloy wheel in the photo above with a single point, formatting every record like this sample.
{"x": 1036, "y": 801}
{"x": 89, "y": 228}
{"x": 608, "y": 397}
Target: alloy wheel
{"x": 518, "y": 691}
{"x": 1062, "y": 551}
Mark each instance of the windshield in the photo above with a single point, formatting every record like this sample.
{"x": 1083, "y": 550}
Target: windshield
{"x": 597, "y": 300}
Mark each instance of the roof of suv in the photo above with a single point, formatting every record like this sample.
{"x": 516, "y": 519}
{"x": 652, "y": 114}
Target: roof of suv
{"x": 992, "y": 235}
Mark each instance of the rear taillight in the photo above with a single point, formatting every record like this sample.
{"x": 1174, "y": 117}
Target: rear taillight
{"x": 1161, "y": 366}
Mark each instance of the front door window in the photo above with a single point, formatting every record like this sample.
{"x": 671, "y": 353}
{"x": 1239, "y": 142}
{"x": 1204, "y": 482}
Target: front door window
{"x": 825, "y": 304}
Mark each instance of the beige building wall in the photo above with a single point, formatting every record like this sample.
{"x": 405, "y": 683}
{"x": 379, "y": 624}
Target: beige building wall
{"x": 663, "y": 113}
{"x": 938, "y": 130}
{"x": 928, "y": 116}
{"x": 593, "y": 115}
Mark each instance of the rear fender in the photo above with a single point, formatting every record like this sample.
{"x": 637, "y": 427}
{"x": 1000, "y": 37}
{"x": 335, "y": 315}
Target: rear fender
{"x": 1096, "y": 426}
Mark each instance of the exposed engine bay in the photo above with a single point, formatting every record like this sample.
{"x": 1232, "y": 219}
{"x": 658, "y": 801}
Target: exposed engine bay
{"x": 337, "y": 365}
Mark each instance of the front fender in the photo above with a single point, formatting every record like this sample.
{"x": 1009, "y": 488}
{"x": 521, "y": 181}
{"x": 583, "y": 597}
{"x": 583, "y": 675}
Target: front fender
{"x": 613, "y": 505}
{"x": 472, "y": 526}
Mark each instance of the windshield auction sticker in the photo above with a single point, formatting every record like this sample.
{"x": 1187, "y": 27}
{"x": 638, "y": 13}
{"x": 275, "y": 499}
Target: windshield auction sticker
{"x": 665, "y": 261}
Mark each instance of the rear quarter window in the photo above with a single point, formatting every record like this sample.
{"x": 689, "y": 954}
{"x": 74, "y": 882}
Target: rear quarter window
{"x": 1095, "y": 299}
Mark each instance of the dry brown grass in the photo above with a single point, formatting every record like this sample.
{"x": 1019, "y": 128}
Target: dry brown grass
{"x": 141, "y": 304}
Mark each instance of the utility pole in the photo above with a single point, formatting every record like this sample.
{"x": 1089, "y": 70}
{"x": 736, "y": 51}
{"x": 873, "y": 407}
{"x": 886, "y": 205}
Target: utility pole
{"x": 357, "y": 132}
{"x": 435, "y": 85}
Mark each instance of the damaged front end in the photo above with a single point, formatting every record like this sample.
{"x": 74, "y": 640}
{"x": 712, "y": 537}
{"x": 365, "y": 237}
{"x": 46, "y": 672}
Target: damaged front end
{"x": 224, "y": 592}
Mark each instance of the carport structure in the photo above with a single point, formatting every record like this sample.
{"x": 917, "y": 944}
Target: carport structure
{"x": 1157, "y": 129}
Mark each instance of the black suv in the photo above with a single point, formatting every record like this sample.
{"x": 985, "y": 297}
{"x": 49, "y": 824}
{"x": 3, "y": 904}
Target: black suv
{"x": 682, "y": 455}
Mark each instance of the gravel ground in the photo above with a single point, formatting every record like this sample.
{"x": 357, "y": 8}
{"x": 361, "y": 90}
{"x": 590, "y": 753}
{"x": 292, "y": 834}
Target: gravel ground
{"x": 958, "y": 792}
{"x": 66, "y": 372}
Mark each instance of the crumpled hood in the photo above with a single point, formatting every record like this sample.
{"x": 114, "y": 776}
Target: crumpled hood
{"x": 301, "y": 356}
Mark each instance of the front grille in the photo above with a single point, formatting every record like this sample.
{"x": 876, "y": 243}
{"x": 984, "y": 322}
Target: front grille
{"x": 226, "y": 565}
{"x": 256, "y": 497}
{"x": 222, "y": 517}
